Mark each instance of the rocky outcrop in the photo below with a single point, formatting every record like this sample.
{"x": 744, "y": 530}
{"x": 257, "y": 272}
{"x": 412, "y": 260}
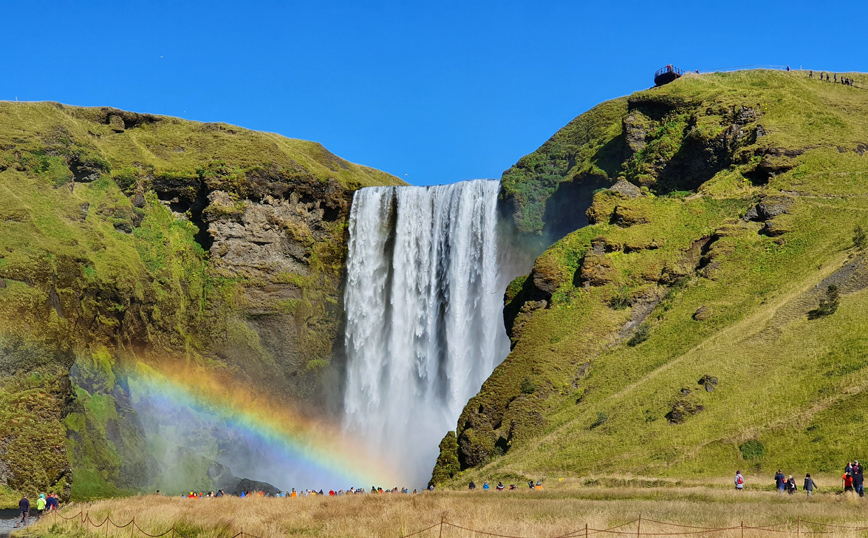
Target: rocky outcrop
{"x": 205, "y": 244}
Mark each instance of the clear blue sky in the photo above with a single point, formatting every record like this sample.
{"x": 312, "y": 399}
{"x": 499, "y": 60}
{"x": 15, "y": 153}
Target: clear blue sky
{"x": 440, "y": 91}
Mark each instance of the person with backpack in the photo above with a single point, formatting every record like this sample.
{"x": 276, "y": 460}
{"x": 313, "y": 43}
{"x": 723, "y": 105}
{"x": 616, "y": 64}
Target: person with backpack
{"x": 739, "y": 481}
{"x": 791, "y": 485}
{"x": 810, "y": 485}
{"x": 780, "y": 481}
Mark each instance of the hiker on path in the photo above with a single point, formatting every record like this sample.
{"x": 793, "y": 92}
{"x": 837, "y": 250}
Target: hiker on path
{"x": 809, "y": 484}
{"x": 848, "y": 482}
{"x": 739, "y": 481}
{"x": 472, "y": 485}
{"x": 780, "y": 481}
{"x": 791, "y": 485}
{"x": 24, "y": 510}
{"x": 40, "y": 504}
{"x": 51, "y": 503}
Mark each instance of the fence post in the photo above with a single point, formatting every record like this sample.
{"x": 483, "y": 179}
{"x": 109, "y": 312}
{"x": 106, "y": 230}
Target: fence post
{"x": 586, "y": 530}
{"x": 173, "y": 531}
{"x": 132, "y": 526}
{"x": 639, "y": 526}
{"x": 742, "y": 529}
{"x": 441, "y": 525}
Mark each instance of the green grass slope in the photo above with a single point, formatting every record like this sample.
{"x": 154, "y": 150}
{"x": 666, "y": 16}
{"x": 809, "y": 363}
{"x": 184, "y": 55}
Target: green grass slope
{"x": 105, "y": 223}
{"x": 673, "y": 336}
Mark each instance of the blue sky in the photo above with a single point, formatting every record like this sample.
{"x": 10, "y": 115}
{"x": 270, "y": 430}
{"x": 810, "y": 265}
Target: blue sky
{"x": 433, "y": 92}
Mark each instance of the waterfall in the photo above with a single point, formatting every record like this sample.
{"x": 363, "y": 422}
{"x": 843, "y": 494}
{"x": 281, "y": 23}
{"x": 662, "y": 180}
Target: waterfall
{"x": 424, "y": 303}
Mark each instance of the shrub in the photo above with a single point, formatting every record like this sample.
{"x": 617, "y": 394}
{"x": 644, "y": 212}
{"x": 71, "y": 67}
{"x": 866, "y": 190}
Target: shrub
{"x": 600, "y": 420}
{"x": 752, "y": 450}
{"x": 621, "y": 299}
{"x": 828, "y": 304}
{"x": 528, "y": 386}
{"x": 641, "y": 334}
{"x": 860, "y": 239}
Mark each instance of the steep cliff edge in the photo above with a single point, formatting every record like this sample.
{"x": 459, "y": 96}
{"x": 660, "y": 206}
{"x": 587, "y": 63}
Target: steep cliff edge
{"x": 704, "y": 307}
{"x": 130, "y": 237}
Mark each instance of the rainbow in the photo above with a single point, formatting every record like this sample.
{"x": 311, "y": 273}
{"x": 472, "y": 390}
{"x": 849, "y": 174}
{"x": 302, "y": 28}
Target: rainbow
{"x": 303, "y": 446}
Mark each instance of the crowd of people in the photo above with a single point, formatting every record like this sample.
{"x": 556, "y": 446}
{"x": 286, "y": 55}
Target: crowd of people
{"x": 852, "y": 481}
{"x": 500, "y": 487}
{"x": 43, "y": 504}
{"x": 292, "y": 494}
{"x": 846, "y": 81}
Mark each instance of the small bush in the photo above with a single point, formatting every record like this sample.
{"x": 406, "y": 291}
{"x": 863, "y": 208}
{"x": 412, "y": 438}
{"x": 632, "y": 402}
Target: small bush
{"x": 828, "y": 304}
{"x": 752, "y": 450}
{"x": 641, "y": 334}
{"x": 600, "y": 420}
{"x": 528, "y": 386}
{"x": 860, "y": 239}
{"x": 621, "y": 299}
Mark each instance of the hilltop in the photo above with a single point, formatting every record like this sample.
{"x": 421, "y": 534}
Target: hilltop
{"x": 704, "y": 306}
{"x": 133, "y": 238}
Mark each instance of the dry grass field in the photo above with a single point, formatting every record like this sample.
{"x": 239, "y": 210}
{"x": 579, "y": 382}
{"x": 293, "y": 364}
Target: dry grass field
{"x": 557, "y": 512}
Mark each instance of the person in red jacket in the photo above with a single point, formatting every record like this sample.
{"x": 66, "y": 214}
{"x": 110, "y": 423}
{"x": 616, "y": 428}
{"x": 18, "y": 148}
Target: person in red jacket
{"x": 848, "y": 482}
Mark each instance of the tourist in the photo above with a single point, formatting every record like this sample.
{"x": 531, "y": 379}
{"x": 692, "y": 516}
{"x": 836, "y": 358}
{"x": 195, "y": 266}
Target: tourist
{"x": 857, "y": 479}
{"x": 810, "y": 74}
{"x": 500, "y": 486}
{"x": 780, "y": 481}
{"x": 739, "y": 481}
{"x": 51, "y": 503}
{"x": 485, "y": 486}
{"x": 472, "y": 485}
{"x": 810, "y": 485}
{"x": 848, "y": 482}
{"x": 40, "y": 504}
{"x": 791, "y": 485}
{"x": 24, "y": 510}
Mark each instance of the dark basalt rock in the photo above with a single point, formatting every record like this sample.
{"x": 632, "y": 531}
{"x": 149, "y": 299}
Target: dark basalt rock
{"x": 702, "y": 313}
{"x": 709, "y": 382}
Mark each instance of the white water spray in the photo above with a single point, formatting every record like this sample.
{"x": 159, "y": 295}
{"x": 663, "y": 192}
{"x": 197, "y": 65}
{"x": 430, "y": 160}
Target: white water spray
{"x": 424, "y": 303}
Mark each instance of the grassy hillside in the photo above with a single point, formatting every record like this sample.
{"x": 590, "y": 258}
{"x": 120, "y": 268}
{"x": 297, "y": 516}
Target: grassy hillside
{"x": 677, "y": 335}
{"x": 128, "y": 237}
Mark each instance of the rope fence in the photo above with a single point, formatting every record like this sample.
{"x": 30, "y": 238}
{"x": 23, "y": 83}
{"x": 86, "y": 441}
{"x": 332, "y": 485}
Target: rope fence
{"x": 638, "y": 527}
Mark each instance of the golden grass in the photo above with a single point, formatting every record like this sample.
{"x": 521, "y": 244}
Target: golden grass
{"x": 549, "y": 513}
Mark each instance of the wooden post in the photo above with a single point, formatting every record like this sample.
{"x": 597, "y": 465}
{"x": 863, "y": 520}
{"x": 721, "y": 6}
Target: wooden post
{"x": 586, "y": 530}
{"x": 173, "y": 531}
{"x": 639, "y": 526}
{"x": 742, "y": 529}
{"x": 441, "y": 525}
{"x": 132, "y": 526}
{"x": 106, "y": 526}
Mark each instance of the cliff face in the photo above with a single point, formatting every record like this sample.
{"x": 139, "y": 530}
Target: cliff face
{"x": 677, "y": 326}
{"x": 132, "y": 238}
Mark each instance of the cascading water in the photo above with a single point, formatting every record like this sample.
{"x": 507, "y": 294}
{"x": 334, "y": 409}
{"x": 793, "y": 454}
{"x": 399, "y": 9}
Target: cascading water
{"x": 424, "y": 315}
